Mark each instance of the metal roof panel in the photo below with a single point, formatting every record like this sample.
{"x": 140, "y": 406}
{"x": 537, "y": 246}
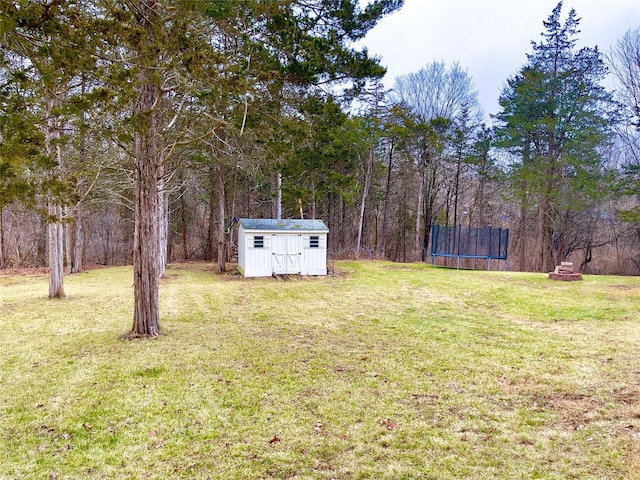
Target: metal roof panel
{"x": 292, "y": 224}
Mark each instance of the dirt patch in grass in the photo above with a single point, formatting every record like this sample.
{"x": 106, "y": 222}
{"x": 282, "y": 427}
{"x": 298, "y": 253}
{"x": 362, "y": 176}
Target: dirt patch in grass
{"x": 23, "y": 271}
{"x": 628, "y": 395}
{"x": 399, "y": 267}
{"x": 623, "y": 287}
{"x": 339, "y": 273}
{"x": 574, "y": 410}
{"x": 235, "y": 275}
{"x": 18, "y": 271}
{"x": 577, "y": 411}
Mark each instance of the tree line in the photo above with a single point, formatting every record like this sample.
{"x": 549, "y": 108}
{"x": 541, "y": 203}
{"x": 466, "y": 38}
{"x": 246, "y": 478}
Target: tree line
{"x": 133, "y": 131}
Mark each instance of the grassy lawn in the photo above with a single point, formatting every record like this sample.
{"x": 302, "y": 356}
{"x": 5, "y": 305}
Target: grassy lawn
{"x": 383, "y": 371}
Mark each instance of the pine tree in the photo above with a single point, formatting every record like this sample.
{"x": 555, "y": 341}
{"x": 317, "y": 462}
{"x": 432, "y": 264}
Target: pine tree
{"x": 293, "y": 45}
{"x": 22, "y": 161}
{"x": 555, "y": 117}
{"x": 45, "y": 51}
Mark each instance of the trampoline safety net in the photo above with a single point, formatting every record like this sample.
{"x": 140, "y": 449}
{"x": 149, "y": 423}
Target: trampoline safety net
{"x": 469, "y": 242}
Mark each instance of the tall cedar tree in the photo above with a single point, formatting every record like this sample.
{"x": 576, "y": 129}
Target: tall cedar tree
{"x": 21, "y": 149}
{"x": 554, "y": 118}
{"x": 45, "y": 46}
{"x": 303, "y": 43}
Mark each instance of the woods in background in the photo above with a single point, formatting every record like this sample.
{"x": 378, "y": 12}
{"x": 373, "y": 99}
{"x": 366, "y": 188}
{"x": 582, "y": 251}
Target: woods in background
{"x": 133, "y": 131}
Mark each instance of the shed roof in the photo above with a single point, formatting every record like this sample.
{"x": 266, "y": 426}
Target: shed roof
{"x": 284, "y": 225}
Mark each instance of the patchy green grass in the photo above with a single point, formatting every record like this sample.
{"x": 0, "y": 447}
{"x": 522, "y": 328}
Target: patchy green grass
{"x": 385, "y": 371}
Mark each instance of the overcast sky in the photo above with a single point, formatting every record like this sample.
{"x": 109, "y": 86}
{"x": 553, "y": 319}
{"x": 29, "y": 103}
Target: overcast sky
{"x": 489, "y": 38}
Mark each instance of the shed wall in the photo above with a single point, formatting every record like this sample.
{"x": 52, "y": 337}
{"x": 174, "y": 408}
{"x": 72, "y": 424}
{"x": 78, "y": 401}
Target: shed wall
{"x": 254, "y": 261}
{"x": 314, "y": 259}
{"x": 308, "y": 255}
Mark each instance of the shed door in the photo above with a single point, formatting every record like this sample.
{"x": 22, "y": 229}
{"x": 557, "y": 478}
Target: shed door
{"x": 286, "y": 253}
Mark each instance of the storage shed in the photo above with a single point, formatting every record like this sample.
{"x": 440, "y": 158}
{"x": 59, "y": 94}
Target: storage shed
{"x": 268, "y": 246}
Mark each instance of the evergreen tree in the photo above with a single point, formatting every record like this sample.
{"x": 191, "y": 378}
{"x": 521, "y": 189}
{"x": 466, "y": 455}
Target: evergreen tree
{"x": 154, "y": 61}
{"x": 555, "y": 117}
{"x": 298, "y": 45}
{"x": 46, "y": 52}
{"x": 22, "y": 159}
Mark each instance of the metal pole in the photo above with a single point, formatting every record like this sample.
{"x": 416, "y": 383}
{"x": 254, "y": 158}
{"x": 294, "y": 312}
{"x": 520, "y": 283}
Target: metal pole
{"x": 279, "y": 199}
{"x": 490, "y": 240}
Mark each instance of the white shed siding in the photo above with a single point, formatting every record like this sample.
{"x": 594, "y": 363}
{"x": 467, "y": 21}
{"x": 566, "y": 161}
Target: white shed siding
{"x": 281, "y": 250}
{"x": 314, "y": 258}
{"x": 242, "y": 248}
{"x": 256, "y": 259}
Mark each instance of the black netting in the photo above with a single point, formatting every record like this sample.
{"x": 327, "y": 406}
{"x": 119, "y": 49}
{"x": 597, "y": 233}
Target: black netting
{"x": 469, "y": 242}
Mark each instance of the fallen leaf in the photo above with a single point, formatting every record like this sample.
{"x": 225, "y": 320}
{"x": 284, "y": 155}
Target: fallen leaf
{"x": 274, "y": 439}
{"x": 389, "y": 424}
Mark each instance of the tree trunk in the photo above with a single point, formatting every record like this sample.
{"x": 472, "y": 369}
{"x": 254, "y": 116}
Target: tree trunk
{"x": 74, "y": 240}
{"x": 419, "y": 211}
{"x": 405, "y": 217}
{"x": 341, "y": 221}
{"x": 146, "y": 238}
{"x": 365, "y": 192}
{"x": 541, "y": 237}
{"x": 68, "y": 240}
{"x": 544, "y": 223}
{"x": 56, "y": 249}
{"x": 522, "y": 236}
{"x": 456, "y": 189}
{"x": 184, "y": 230}
{"x": 279, "y": 196}
{"x": 312, "y": 207}
{"x": 1, "y": 238}
{"x": 163, "y": 223}
{"x": 524, "y": 206}
{"x": 385, "y": 209}
{"x": 106, "y": 245}
{"x": 234, "y": 188}
{"x": 447, "y": 205}
{"x": 55, "y": 231}
{"x": 211, "y": 230}
{"x": 221, "y": 213}
{"x": 146, "y": 320}
{"x": 75, "y": 257}
{"x": 429, "y": 200}
{"x": 77, "y": 254}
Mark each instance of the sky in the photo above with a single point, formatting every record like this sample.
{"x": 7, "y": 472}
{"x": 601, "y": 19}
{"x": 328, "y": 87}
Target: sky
{"x": 488, "y": 38}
